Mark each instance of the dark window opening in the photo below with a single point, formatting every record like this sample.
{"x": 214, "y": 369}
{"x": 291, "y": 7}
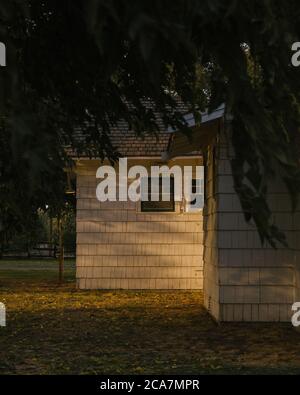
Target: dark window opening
{"x": 160, "y": 205}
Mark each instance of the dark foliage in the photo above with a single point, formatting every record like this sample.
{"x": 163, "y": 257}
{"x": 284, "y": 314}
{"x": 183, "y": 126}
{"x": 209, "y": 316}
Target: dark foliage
{"x": 90, "y": 63}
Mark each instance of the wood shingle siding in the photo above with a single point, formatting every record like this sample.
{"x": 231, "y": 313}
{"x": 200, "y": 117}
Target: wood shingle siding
{"x": 119, "y": 247}
{"x": 245, "y": 280}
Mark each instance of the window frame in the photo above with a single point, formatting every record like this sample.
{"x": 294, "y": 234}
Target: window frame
{"x": 189, "y": 204}
{"x": 152, "y": 209}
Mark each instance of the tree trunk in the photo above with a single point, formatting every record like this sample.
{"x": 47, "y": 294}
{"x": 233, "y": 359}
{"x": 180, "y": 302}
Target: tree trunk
{"x": 28, "y": 251}
{"x": 52, "y": 247}
{"x": 2, "y": 245}
{"x": 61, "y": 249}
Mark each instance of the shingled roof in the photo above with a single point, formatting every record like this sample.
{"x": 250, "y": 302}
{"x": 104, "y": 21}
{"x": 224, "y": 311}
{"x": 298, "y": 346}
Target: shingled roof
{"x": 128, "y": 144}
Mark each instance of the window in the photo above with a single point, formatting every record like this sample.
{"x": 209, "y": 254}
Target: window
{"x": 197, "y": 203}
{"x": 160, "y": 205}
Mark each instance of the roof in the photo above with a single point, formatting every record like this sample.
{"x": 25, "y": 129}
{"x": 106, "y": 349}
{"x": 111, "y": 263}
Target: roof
{"x": 128, "y": 144}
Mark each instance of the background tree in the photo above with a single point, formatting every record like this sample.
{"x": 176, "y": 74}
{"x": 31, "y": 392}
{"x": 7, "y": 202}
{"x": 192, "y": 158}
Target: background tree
{"x": 88, "y": 64}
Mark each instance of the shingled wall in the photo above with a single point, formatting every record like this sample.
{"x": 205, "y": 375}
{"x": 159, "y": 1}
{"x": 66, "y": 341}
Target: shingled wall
{"x": 119, "y": 247}
{"x": 245, "y": 281}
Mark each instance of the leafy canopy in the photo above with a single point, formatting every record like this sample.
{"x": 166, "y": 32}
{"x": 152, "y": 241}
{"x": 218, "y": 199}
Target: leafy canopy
{"x": 72, "y": 63}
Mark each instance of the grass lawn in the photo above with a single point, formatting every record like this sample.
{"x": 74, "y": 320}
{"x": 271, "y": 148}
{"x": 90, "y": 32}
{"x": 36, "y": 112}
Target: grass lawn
{"x": 54, "y": 329}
